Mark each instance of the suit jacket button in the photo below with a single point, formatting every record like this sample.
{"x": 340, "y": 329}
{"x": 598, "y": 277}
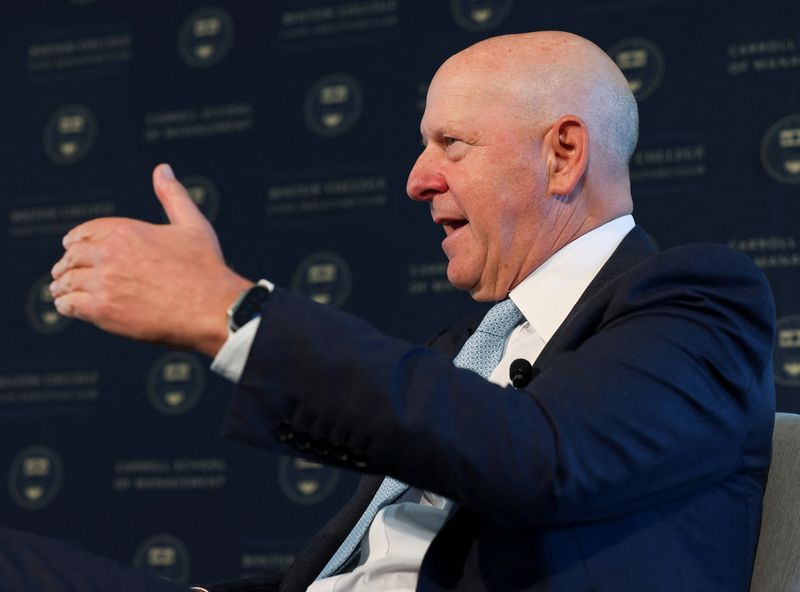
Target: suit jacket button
{"x": 283, "y": 432}
{"x": 359, "y": 461}
{"x": 341, "y": 454}
{"x": 302, "y": 442}
{"x": 321, "y": 447}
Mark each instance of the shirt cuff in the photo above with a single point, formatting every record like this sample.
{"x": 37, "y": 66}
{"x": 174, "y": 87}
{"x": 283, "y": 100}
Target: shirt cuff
{"x": 232, "y": 356}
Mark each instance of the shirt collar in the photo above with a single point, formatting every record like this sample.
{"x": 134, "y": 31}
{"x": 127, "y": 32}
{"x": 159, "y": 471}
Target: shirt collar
{"x": 547, "y": 295}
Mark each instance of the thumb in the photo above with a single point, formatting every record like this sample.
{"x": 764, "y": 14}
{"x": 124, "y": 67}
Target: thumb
{"x": 175, "y": 199}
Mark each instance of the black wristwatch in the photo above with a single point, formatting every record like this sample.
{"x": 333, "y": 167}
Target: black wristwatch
{"x": 248, "y": 305}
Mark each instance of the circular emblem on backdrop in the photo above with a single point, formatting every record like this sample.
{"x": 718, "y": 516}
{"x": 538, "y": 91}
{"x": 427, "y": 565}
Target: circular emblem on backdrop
{"x": 175, "y": 383}
{"x": 205, "y": 37}
{"x": 642, "y": 63}
{"x": 35, "y": 477}
{"x": 306, "y": 482}
{"x": 41, "y": 311}
{"x": 69, "y": 134}
{"x": 323, "y": 277}
{"x": 333, "y": 105}
{"x": 786, "y": 365}
{"x": 780, "y": 150}
{"x": 165, "y": 556}
{"x": 204, "y": 194}
{"x": 480, "y": 15}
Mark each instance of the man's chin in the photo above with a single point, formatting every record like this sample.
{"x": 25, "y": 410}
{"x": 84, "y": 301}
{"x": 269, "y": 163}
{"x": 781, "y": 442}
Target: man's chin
{"x": 458, "y": 280}
{"x": 462, "y": 281}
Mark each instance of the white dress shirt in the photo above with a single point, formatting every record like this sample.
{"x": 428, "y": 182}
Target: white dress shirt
{"x": 393, "y": 547}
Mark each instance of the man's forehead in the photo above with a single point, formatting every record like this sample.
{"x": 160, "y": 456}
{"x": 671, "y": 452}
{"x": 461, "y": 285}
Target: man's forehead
{"x": 461, "y": 75}
{"x": 457, "y": 98}
{"x": 448, "y": 111}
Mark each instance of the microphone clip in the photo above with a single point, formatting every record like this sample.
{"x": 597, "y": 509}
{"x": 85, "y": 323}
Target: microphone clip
{"x": 521, "y": 373}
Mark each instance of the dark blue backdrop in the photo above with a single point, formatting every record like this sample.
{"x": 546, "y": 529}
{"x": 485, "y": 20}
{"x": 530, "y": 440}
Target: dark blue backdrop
{"x": 294, "y": 124}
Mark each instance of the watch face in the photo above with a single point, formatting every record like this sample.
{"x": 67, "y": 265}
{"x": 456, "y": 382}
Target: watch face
{"x": 249, "y": 306}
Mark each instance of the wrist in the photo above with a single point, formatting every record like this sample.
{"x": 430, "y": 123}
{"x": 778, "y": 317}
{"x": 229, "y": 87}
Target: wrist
{"x": 248, "y": 305}
{"x": 217, "y": 332}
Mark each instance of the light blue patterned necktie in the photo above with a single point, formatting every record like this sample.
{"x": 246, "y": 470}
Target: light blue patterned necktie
{"x": 480, "y": 353}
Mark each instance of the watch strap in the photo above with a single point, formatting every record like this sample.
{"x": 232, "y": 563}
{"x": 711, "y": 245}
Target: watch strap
{"x": 248, "y": 305}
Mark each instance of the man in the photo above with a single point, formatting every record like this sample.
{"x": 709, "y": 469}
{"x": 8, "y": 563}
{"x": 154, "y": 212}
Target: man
{"x": 636, "y": 457}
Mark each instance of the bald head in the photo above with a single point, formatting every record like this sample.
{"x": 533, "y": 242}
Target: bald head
{"x": 552, "y": 73}
{"x": 527, "y": 141}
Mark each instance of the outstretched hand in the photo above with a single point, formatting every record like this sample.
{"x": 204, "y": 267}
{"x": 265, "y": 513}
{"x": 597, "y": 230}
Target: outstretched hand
{"x": 163, "y": 283}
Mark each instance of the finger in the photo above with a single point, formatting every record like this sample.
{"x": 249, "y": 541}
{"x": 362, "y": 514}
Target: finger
{"x": 80, "y": 254}
{"x": 75, "y": 304}
{"x": 175, "y": 199}
{"x": 96, "y": 229}
{"x": 73, "y": 280}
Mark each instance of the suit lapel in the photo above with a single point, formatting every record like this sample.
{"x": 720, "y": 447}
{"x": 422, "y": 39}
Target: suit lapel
{"x": 451, "y": 340}
{"x": 309, "y": 563}
{"x": 634, "y": 248}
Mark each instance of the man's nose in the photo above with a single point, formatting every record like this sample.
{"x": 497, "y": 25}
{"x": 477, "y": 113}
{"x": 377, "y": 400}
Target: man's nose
{"x": 425, "y": 180}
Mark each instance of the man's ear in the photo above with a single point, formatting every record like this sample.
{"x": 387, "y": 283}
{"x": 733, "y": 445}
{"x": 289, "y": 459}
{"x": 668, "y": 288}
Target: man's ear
{"x": 568, "y": 144}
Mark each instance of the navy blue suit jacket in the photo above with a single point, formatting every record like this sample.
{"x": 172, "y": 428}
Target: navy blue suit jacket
{"x": 635, "y": 460}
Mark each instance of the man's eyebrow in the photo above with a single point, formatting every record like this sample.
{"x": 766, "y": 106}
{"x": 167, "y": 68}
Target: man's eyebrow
{"x": 431, "y": 133}
{"x": 423, "y": 136}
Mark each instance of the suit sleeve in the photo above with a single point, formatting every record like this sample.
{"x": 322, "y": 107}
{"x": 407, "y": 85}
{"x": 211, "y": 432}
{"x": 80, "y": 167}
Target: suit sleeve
{"x": 666, "y": 388}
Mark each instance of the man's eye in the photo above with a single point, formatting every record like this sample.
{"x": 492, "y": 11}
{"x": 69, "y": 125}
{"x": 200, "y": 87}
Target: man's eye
{"x": 449, "y": 141}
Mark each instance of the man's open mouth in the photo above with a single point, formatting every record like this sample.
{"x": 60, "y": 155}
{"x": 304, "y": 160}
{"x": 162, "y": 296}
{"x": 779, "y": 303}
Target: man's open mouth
{"x": 451, "y": 226}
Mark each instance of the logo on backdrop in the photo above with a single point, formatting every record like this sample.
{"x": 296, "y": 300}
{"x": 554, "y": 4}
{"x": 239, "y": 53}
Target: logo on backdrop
{"x": 333, "y": 105}
{"x": 165, "y": 556}
{"x": 204, "y": 194}
{"x": 35, "y": 477}
{"x": 323, "y": 277}
{"x": 786, "y": 367}
{"x": 305, "y": 482}
{"x": 480, "y": 15}
{"x": 40, "y": 309}
{"x": 642, "y": 63}
{"x": 205, "y": 37}
{"x": 175, "y": 383}
{"x": 780, "y": 150}
{"x": 69, "y": 134}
